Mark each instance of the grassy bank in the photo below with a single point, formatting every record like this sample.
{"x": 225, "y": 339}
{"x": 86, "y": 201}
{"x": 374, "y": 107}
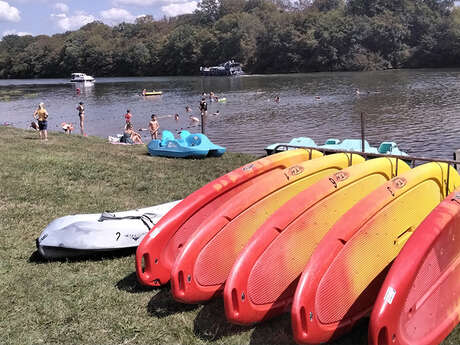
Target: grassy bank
{"x": 98, "y": 300}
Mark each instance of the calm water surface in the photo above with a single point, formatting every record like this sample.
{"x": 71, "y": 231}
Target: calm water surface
{"x": 418, "y": 109}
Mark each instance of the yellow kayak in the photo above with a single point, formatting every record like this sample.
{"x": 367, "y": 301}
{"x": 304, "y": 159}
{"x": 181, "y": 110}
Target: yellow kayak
{"x": 152, "y": 93}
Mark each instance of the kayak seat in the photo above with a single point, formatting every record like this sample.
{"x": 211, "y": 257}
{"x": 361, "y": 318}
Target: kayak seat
{"x": 386, "y": 147}
{"x": 332, "y": 141}
{"x": 165, "y": 137}
{"x": 184, "y": 134}
{"x": 193, "y": 140}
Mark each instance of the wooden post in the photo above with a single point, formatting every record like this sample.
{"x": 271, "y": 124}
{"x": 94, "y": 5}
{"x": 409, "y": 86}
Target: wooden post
{"x": 457, "y": 158}
{"x": 363, "y": 123}
{"x": 203, "y": 119}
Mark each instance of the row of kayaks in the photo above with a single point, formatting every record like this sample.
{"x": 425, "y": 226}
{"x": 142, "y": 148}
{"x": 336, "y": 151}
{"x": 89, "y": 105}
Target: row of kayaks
{"x": 186, "y": 145}
{"x": 386, "y": 147}
{"x": 318, "y": 236}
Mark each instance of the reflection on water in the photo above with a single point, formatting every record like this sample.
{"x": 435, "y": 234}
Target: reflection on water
{"x": 418, "y": 109}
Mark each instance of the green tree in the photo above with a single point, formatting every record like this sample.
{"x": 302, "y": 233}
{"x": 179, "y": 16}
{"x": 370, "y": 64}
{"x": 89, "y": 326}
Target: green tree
{"x": 182, "y": 51}
{"x": 208, "y": 11}
{"x": 237, "y": 35}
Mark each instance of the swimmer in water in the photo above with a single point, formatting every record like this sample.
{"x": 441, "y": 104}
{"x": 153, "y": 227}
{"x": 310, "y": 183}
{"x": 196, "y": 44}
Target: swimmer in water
{"x": 188, "y": 109}
{"x": 176, "y": 117}
{"x": 194, "y": 119}
{"x": 277, "y": 99}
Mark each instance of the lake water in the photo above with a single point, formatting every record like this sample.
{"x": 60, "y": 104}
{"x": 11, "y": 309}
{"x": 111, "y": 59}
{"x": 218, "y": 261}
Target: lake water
{"x": 418, "y": 109}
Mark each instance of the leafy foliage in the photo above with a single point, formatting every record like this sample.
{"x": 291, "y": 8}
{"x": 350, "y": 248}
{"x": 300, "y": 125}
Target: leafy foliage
{"x": 265, "y": 35}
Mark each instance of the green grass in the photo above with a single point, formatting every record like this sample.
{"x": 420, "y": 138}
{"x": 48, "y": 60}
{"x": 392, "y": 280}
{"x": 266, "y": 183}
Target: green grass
{"x": 98, "y": 300}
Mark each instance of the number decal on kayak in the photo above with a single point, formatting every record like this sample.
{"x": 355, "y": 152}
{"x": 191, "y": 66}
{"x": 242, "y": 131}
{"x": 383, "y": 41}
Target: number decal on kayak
{"x": 341, "y": 176}
{"x": 399, "y": 182}
{"x": 333, "y": 182}
{"x": 456, "y": 198}
{"x": 118, "y": 235}
{"x": 248, "y": 167}
{"x": 294, "y": 171}
{"x": 338, "y": 177}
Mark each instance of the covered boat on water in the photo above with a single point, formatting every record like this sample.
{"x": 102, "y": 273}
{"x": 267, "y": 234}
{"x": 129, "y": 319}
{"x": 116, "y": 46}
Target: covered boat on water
{"x": 229, "y": 68}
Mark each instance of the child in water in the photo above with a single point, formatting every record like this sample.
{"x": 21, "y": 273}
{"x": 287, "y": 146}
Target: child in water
{"x": 194, "y": 119}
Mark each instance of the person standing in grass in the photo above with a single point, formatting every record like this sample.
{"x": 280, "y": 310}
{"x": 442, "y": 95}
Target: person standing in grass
{"x": 42, "y": 116}
{"x": 81, "y": 115}
{"x": 154, "y": 127}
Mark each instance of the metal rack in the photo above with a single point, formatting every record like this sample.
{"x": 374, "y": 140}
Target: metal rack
{"x": 412, "y": 159}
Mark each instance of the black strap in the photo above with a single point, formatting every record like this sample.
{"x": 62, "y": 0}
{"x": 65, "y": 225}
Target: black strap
{"x": 145, "y": 218}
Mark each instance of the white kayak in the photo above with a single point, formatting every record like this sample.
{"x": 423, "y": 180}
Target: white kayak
{"x": 83, "y": 234}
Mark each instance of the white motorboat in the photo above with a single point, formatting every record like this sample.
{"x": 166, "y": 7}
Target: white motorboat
{"x": 84, "y": 234}
{"x": 81, "y": 78}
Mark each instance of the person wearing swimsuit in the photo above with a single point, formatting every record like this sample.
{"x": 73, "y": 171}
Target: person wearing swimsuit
{"x": 81, "y": 114}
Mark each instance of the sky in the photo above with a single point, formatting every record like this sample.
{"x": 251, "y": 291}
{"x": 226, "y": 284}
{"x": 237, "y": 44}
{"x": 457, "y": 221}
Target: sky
{"x": 36, "y": 17}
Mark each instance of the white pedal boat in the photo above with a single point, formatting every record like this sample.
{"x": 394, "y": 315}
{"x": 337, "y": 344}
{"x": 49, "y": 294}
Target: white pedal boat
{"x": 83, "y": 234}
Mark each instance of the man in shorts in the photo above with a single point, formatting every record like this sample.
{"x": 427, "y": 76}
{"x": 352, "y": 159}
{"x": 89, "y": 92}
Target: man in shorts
{"x": 42, "y": 116}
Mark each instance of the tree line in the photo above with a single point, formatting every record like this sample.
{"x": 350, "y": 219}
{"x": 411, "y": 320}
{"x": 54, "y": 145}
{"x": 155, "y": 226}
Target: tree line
{"x": 266, "y": 36}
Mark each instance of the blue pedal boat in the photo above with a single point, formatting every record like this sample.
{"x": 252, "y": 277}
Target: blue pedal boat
{"x": 300, "y": 141}
{"x": 353, "y": 145}
{"x": 187, "y": 145}
{"x": 390, "y": 148}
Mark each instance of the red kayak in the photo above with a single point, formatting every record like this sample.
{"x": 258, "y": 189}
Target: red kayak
{"x": 267, "y": 270}
{"x": 419, "y": 302}
{"x": 202, "y": 267}
{"x": 159, "y": 248}
{"x": 342, "y": 279}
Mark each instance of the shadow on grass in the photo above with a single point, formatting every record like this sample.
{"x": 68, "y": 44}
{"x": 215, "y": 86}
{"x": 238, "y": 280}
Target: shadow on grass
{"x": 163, "y": 304}
{"x": 279, "y": 331}
{"x": 131, "y": 284}
{"x": 32, "y": 137}
{"x": 211, "y": 324}
{"x": 357, "y": 336}
{"x": 78, "y": 256}
{"x": 274, "y": 331}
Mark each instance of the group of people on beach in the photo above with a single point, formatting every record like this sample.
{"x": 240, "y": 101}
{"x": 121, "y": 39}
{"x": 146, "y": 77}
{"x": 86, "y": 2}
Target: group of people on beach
{"x": 132, "y": 137}
{"x": 41, "y": 115}
{"x": 129, "y": 134}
